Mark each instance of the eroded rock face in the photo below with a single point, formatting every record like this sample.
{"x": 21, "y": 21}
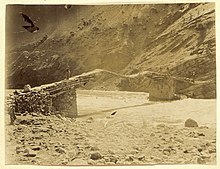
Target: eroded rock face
{"x": 191, "y": 123}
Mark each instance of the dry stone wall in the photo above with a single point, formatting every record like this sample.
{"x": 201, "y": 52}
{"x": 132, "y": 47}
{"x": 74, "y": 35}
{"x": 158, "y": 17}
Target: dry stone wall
{"x": 59, "y": 97}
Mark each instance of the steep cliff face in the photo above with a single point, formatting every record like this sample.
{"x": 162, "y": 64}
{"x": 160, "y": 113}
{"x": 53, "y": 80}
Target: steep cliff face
{"x": 125, "y": 39}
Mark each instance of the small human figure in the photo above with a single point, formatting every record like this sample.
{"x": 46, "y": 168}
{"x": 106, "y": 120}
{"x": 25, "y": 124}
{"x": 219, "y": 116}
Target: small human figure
{"x": 13, "y": 108}
{"x": 67, "y": 72}
{"x": 16, "y": 93}
{"x": 193, "y": 76}
{"x": 12, "y": 114}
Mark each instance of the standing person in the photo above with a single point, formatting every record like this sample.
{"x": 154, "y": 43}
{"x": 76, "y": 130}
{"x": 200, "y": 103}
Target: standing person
{"x": 67, "y": 72}
{"x": 16, "y": 93}
{"x": 193, "y": 76}
{"x": 12, "y": 114}
{"x": 14, "y": 108}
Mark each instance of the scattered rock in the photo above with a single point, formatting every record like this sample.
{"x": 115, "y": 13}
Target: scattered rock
{"x": 25, "y": 122}
{"x": 19, "y": 149}
{"x": 60, "y": 150}
{"x": 29, "y": 153}
{"x": 205, "y": 155}
{"x": 212, "y": 150}
{"x": 37, "y": 137}
{"x": 208, "y": 144}
{"x": 78, "y": 161}
{"x": 37, "y": 123}
{"x": 179, "y": 140}
{"x": 157, "y": 146}
{"x": 213, "y": 141}
{"x": 35, "y": 115}
{"x": 59, "y": 116}
{"x": 161, "y": 125}
{"x": 203, "y": 127}
{"x": 36, "y": 148}
{"x": 166, "y": 151}
{"x": 199, "y": 149}
{"x": 113, "y": 159}
{"x": 152, "y": 134}
{"x": 129, "y": 158}
{"x": 141, "y": 157}
{"x": 185, "y": 151}
{"x": 73, "y": 153}
{"x": 200, "y": 160}
{"x": 65, "y": 161}
{"x": 134, "y": 152}
{"x": 157, "y": 159}
{"x": 106, "y": 159}
{"x": 193, "y": 134}
{"x": 55, "y": 154}
{"x": 91, "y": 162}
{"x": 191, "y": 123}
{"x": 111, "y": 152}
{"x": 95, "y": 156}
{"x": 102, "y": 161}
{"x": 201, "y": 134}
{"x": 90, "y": 120}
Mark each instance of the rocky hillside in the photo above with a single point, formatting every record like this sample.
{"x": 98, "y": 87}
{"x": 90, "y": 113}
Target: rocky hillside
{"x": 126, "y": 39}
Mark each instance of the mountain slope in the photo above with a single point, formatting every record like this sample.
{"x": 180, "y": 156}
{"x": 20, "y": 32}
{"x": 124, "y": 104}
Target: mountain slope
{"x": 126, "y": 39}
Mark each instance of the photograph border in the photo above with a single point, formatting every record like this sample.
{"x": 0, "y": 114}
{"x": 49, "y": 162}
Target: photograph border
{"x": 100, "y": 2}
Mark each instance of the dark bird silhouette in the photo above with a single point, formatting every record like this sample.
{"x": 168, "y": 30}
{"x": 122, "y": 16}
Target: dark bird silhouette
{"x": 31, "y": 28}
{"x": 114, "y": 113}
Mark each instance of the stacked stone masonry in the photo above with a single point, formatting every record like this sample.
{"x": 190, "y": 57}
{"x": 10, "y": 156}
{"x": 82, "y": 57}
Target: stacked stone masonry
{"x": 59, "y": 97}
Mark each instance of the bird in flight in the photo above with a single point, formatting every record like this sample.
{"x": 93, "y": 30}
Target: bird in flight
{"x": 31, "y": 28}
{"x": 114, "y": 113}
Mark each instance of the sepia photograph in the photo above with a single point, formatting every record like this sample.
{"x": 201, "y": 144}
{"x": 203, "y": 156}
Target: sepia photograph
{"x": 110, "y": 84}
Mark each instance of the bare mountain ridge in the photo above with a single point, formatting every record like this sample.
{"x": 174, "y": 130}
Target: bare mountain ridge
{"x": 125, "y": 39}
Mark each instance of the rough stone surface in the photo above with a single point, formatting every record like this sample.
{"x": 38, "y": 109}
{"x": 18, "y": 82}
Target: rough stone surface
{"x": 45, "y": 100}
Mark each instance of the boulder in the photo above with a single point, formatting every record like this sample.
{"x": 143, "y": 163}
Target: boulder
{"x": 95, "y": 156}
{"x": 191, "y": 123}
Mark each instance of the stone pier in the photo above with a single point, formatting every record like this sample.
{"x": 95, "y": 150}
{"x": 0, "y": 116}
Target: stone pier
{"x": 66, "y": 103}
{"x": 162, "y": 87}
{"x": 58, "y": 97}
